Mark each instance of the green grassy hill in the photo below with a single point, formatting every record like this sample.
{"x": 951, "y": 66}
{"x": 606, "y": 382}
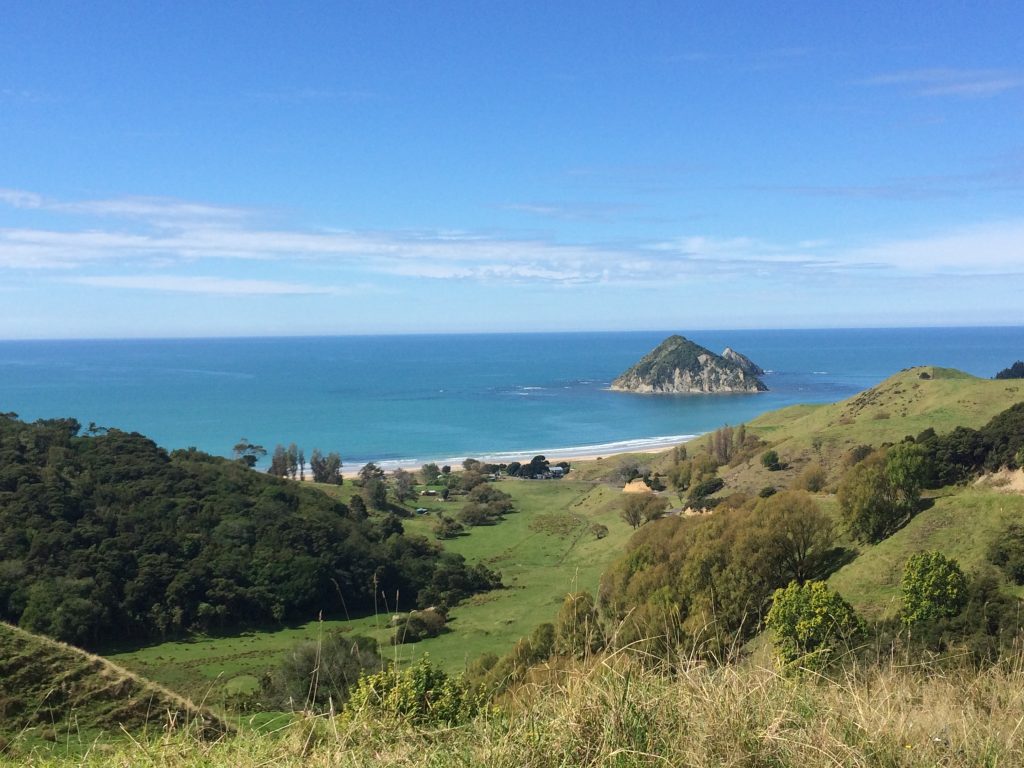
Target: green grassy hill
{"x": 961, "y": 524}
{"x": 50, "y": 691}
{"x": 904, "y": 404}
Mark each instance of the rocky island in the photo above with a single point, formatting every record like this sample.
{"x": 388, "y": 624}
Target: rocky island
{"x": 679, "y": 366}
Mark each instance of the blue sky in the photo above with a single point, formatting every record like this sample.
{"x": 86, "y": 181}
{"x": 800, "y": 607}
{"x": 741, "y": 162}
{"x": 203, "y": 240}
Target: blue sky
{"x": 205, "y": 169}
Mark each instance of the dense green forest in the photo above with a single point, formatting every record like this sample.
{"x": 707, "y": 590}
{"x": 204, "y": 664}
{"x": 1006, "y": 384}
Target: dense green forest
{"x": 107, "y": 537}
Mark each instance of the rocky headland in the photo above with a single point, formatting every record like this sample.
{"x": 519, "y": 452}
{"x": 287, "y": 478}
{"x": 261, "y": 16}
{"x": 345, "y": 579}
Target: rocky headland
{"x": 679, "y": 366}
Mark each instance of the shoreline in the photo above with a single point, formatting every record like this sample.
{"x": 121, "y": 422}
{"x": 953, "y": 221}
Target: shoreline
{"x": 571, "y": 454}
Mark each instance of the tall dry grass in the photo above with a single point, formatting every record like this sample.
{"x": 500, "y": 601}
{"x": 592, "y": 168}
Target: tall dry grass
{"x": 615, "y": 712}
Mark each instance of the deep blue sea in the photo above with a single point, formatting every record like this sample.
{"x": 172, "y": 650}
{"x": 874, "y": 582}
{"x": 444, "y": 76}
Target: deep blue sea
{"x": 415, "y": 398}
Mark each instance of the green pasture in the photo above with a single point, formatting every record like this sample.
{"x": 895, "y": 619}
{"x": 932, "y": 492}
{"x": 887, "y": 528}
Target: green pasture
{"x": 543, "y": 550}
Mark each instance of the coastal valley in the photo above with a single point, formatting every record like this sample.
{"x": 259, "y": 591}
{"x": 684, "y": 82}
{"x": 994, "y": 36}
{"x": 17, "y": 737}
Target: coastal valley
{"x": 302, "y": 617}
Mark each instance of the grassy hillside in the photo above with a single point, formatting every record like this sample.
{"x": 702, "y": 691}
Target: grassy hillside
{"x": 905, "y": 404}
{"x": 48, "y": 690}
{"x": 960, "y": 524}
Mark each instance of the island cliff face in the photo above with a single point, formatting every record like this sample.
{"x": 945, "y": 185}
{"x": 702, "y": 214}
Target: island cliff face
{"x": 678, "y": 366}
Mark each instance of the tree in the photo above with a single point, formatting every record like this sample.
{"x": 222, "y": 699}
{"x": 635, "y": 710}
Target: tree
{"x": 810, "y": 619}
{"x": 812, "y": 478}
{"x": 430, "y": 472}
{"x": 799, "y": 533}
{"x": 326, "y": 469}
{"x": 905, "y": 471}
{"x": 357, "y": 508}
{"x": 538, "y": 466}
{"x": 248, "y": 453}
{"x": 880, "y": 493}
{"x": 293, "y": 461}
{"x": 371, "y": 472}
{"x": 419, "y": 625}
{"x": 680, "y": 475}
{"x": 721, "y": 444}
{"x": 474, "y": 514}
{"x": 705, "y": 488}
{"x": 470, "y": 479}
{"x": 933, "y": 587}
{"x": 404, "y": 485}
{"x": 1015, "y": 371}
{"x": 375, "y": 493}
{"x": 640, "y": 508}
{"x": 447, "y": 528}
{"x": 279, "y": 462}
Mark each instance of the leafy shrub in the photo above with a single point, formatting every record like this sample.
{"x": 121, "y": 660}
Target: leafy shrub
{"x": 770, "y": 461}
{"x": 419, "y": 625}
{"x": 811, "y": 479}
{"x": 810, "y": 621}
{"x": 705, "y": 488}
{"x": 422, "y": 694}
{"x": 933, "y": 587}
{"x": 1007, "y": 552}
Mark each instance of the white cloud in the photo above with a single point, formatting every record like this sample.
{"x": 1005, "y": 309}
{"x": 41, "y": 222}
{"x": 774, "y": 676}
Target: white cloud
{"x": 17, "y": 198}
{"x": 215, "y": 285}
{"x": 158, "y": 211}
{"x": 160, "y": 234}
{"x": 995, "y": 248}
{"x": 967, "y": 83}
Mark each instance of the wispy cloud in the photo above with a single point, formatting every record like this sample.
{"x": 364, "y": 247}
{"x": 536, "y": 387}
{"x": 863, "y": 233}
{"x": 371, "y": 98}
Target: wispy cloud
{"x": 204, "y": 285}
{"x": 995, "y": 248}
{"x": 572, "y": 211}
{"x": 964, "y": 83}
{"x": 25, "y": 96}
{"x": 309, "y": 94}
{"x": 159, "y": 211}
{"x": 158, "y": 237}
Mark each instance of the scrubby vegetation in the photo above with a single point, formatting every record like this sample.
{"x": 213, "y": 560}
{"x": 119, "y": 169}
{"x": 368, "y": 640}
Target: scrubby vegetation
{"x": 106, "y": 536}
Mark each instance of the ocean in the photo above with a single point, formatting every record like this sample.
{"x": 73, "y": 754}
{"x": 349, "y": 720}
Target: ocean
{"x": 403, "y": 400}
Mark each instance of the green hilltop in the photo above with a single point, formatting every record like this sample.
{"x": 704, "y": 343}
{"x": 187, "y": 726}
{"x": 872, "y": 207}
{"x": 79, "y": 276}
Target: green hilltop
{"x": 905, "y": 404}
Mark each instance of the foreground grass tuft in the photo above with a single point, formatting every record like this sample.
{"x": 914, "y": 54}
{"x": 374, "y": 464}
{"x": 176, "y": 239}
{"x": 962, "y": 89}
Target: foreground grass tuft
{"x": 616, "y": 713}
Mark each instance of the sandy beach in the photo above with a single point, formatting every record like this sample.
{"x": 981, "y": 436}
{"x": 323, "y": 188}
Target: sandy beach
{"x": 572, "y": 455}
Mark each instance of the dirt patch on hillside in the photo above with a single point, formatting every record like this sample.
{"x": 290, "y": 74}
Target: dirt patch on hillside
{"x": 1004, "y": 481}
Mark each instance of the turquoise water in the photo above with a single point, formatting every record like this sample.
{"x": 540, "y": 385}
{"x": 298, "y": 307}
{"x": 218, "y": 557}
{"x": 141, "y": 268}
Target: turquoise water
{"x": 414, "y": 398}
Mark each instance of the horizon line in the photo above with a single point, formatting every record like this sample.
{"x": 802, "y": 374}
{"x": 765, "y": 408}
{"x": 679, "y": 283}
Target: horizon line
{"x": 406, "y": 334}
